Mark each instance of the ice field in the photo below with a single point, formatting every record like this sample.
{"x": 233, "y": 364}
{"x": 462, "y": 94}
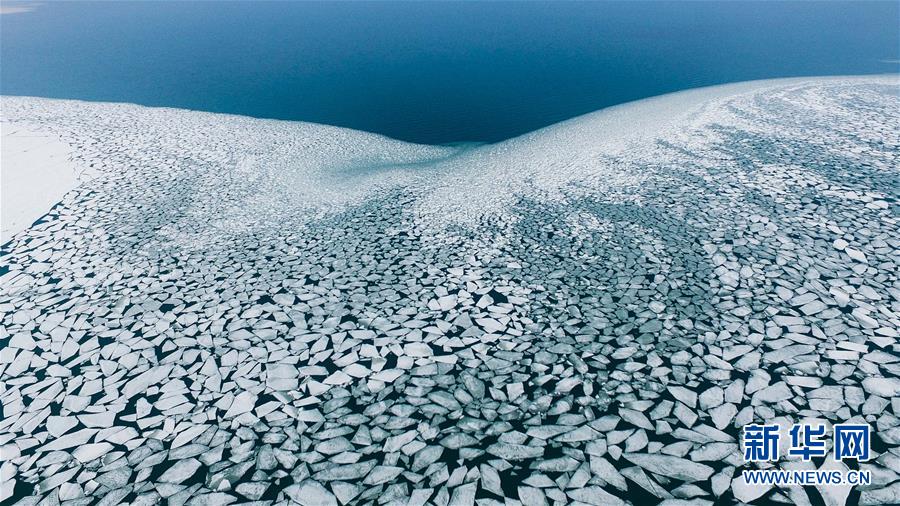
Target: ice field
{"x": 227, "y": 310}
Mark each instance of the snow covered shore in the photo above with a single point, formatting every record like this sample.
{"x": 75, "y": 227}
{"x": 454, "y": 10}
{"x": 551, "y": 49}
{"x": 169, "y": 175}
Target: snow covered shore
{"x": 249, "y": 311}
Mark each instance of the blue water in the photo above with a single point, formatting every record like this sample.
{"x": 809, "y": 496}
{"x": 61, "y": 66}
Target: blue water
{"x": 426, "y": 71}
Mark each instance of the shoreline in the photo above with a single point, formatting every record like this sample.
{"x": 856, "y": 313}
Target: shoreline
{"x": 754, "y": 83}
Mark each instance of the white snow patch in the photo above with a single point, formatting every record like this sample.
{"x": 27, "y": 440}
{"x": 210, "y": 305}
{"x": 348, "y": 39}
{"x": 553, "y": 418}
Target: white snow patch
{"x": 36, "y": 170}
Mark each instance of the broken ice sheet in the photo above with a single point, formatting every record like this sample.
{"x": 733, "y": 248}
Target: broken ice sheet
{"x": 526, "y": 321}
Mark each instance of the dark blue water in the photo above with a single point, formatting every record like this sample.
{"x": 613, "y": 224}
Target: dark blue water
{"x": 425, "y": 71}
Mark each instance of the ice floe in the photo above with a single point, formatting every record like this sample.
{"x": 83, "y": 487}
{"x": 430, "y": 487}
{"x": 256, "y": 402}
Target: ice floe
{"x": 234, "y": 310}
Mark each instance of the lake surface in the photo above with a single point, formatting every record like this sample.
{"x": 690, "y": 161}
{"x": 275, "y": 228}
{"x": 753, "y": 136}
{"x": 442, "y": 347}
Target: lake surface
{"x": 428, "y": 72}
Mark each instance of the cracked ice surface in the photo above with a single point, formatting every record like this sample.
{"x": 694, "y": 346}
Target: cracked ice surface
{"x": 253, "y": 311}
